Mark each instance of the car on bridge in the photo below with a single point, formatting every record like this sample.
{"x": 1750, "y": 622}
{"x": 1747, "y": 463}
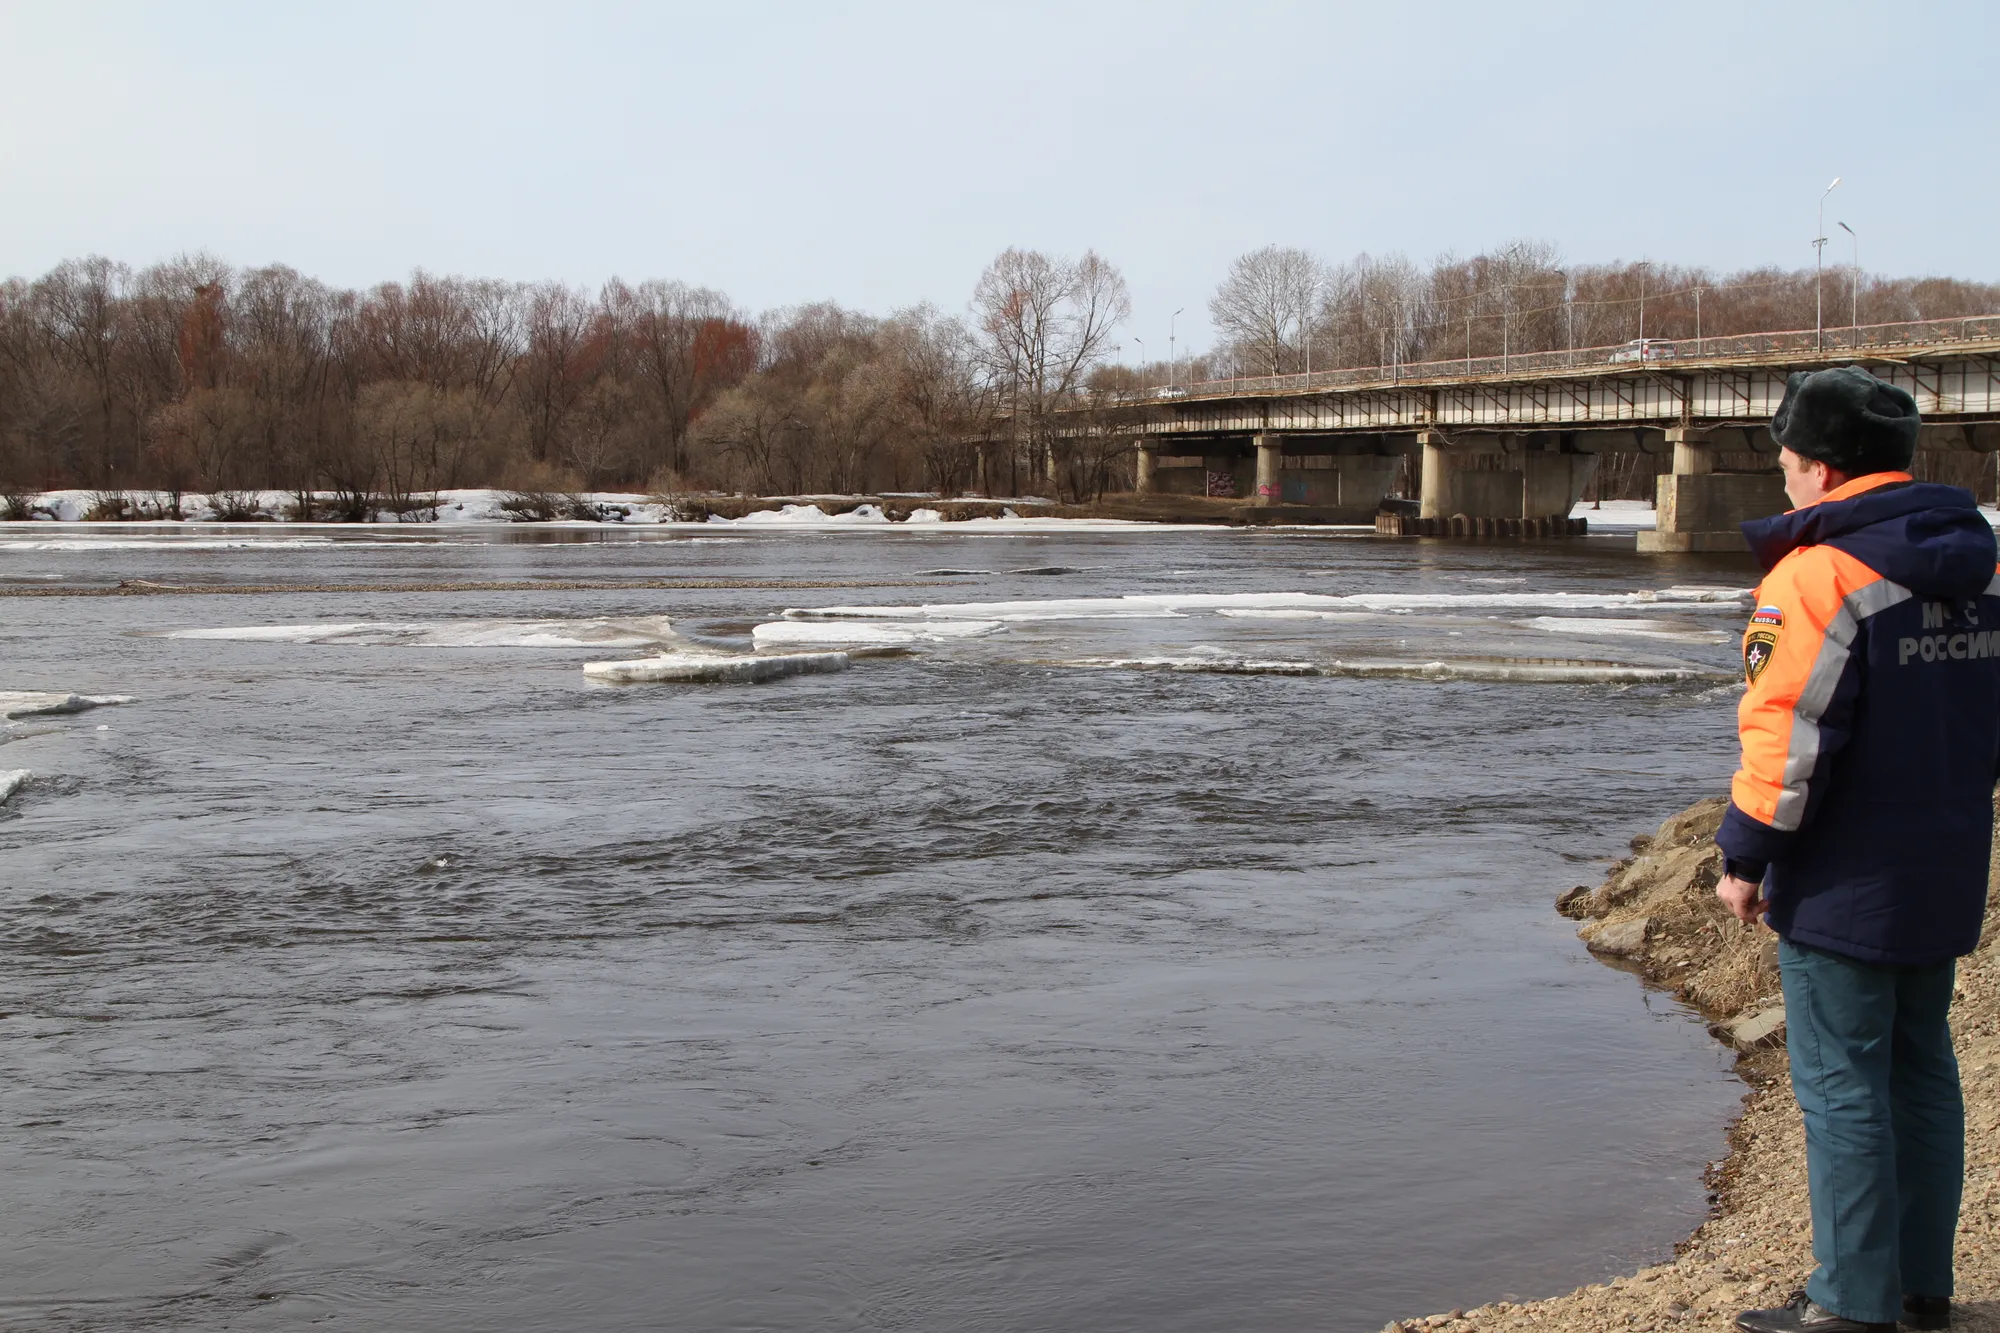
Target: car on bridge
{"x": 1643, "y": 349}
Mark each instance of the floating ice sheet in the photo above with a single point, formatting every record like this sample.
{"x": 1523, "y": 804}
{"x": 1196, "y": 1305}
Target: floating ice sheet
{"x": 783, "y": 632}
{"x": 11, "y": 781}
{"x": 33, "y": 703}
{"x": 1527, "y": 673}
{"x": 1617, "y": 514}
{"x": 1290, "y": 613}
{"x": 709, "y": 668}
{"x": 1168, "y": 605}
{"x": 1592, "y": 627}
{"x": 627, "y": 632}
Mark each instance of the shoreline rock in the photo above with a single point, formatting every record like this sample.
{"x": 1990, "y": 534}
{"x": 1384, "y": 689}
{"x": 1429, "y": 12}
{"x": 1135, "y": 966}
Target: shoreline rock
{"x": 1656, "y": 914}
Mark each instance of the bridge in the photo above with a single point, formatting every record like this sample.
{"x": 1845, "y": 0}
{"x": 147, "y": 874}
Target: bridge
{"x": 1499, "y": 442}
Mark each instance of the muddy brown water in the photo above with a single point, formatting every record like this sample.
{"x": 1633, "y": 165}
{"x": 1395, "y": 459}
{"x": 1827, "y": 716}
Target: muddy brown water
{"x": 387, "y": 984}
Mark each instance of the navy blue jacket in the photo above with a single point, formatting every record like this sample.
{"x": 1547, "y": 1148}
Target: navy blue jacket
{"x": 1871, "y": 721}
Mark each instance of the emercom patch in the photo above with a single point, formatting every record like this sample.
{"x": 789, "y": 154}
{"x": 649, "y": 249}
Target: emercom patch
{"x": 1758, "y": 646}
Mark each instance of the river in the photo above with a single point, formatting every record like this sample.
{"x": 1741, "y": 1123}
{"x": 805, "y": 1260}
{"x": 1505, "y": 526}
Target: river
{"x": 1182, "y": 962}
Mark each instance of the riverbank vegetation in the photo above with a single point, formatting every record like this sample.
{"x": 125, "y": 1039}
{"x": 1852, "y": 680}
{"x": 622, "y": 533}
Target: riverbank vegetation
{"x": 195, "y": 376}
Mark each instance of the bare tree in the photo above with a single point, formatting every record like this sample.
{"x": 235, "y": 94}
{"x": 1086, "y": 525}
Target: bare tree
{"x": 941, "y": 405}
{"x": 1043, "y": 324}
{"x": 558, "y": 365}
{"x": 1267, "y": 304}
{"x": 753, "y": 428}
{"x": 689, "y": 344}
{"x": 80, "y": 301}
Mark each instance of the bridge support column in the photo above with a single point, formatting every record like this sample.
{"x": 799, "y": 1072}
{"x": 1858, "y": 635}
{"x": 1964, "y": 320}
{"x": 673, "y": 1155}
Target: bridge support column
{"x": 1270, "y": 457}
{"x": 1694, "y": 452}
{"x": 1698, "y": 508}
{"x": 1434, "y": 484}
{"x": 1147, "y": 457}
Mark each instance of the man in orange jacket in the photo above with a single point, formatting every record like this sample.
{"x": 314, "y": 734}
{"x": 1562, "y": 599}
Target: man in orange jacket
{"x": 1859, "y": 828}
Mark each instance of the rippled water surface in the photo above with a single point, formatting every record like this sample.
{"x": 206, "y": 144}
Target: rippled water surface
{"x": 1184, "y": 968}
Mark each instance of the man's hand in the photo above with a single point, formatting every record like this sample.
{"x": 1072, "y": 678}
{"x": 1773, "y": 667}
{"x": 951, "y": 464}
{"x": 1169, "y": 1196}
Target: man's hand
{"x": 1744, "y": 899}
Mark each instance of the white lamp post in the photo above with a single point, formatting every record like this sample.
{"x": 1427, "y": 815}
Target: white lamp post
{"x": 1854, "y": 284}
{"x": 1819, "y": 267}
{"x": 1569, "y": 317}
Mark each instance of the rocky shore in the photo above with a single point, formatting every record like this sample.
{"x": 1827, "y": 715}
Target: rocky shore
{"x": 1657, "y": 914}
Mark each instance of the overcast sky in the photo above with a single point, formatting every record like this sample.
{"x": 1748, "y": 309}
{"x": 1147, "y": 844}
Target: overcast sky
{"x": 881, "y": 154}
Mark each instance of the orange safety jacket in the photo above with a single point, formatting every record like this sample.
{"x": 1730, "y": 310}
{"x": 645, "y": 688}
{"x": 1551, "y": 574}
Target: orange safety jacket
{"x": 1870, "y": 721}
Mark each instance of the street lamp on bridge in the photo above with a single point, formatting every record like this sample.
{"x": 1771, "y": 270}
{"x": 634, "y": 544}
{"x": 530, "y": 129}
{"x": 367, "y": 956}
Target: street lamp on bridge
{"x": 1569, "y": 315}
{"x": 1819, "y": 267}
{"x": 1170, "y": 346}
{"x": 1853, "y": 284}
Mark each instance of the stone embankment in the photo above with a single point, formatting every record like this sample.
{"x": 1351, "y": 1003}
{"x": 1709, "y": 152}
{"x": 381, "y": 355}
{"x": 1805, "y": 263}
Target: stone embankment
{"x": 1657, "y": 914}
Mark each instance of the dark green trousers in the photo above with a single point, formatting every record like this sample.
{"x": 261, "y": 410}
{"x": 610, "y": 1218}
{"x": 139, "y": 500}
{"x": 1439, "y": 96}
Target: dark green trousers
{"x": 1874, "y": 1072}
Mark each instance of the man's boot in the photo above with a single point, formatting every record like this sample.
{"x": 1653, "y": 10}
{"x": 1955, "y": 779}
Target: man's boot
{"x": 1800, "y": 1315}
{"x": 1927, "y": 1312}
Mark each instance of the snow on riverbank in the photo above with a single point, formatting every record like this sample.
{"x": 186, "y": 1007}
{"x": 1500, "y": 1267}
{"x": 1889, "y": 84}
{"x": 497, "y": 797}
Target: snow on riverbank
{"x": 627, "y": 509}
{"x": 148, "y": 508}
{"x": 596, "y": 509}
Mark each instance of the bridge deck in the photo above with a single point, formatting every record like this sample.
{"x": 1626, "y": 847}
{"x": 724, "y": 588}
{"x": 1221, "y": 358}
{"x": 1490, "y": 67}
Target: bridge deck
{"x": 1793, "y": 350}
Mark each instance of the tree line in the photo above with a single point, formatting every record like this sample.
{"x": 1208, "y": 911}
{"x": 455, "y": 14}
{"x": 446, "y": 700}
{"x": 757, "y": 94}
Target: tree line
{"x": 194, "y": 376}
{"x": 1281, "y": 310}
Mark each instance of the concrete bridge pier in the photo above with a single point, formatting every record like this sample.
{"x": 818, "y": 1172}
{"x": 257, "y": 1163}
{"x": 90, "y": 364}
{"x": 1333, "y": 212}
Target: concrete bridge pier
{"x": 1533, "y": 477}
{"x": 1697, "y": 508}
{"x": 1434, "y": 481}
{"x": 1147, "y": 460}
{"x": 1270, "y": 461}
{"x": 1552, "y": 480}
{"x": 1694, "y": 452}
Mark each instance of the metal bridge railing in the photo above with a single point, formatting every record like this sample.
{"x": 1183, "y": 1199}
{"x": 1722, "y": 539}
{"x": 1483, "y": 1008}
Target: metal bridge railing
{"x": 1655, "y": 354}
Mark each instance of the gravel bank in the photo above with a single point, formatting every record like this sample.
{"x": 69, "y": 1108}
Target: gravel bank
{"x": 1657, "y": 913}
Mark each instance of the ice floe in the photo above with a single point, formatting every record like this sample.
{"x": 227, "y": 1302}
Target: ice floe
{"x": 36, "y": 703}
{"x": 11, "y": 781}
{"x": 785, "y": 632}
{"x": 1169, "y": 605}
{"x": 1594, "y": 627}
{"x": 1627, "y": 514}
{"x": 1290, "y": 613}
{"x": 1502, "y": 672}
{"x": 712, "y": 668}
{"x": 626, "y": 632}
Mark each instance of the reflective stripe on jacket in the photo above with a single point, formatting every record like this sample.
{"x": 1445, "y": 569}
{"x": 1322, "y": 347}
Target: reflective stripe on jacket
{"x": 1870, "y": 722}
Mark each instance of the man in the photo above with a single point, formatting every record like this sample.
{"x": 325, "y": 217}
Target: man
{"x": 1859, "y": 828}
